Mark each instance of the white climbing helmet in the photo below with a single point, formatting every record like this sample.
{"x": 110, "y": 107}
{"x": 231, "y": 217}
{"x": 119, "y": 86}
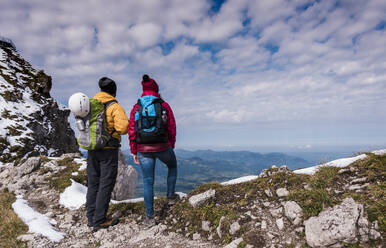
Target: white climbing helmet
{"x": 79, "y": 104}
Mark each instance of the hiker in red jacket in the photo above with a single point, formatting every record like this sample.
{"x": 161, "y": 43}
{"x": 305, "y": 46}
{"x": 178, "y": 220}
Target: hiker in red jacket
{"x": 152, "y": 135}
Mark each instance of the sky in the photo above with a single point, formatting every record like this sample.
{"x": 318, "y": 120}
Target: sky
{"x": 239, "y": 74}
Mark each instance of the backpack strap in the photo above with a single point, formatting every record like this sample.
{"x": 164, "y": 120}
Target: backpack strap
{"x": 155, "y": 100}
{"x": 108, "y": 104}
{"x": 139, "y": 110}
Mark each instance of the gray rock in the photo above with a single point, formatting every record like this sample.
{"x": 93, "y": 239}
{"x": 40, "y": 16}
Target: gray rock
{"x": 199, "y": 199}
{"x": 344, "y": 223}
{"x": 359, "y": 180}
{"x": 4, "y": 173}
{"x": 263, "y": 225}
{"x": 218, "y": 229}
{"x": 234, "y": 243}
{"x": 282, "y": 192}
{"x": 126, "y": 180}
{"x": 234, "y": 228}
{"x": 358, "y": 187}
{"x": 26, "y": 237}
{"x": 71, "y": 155}
{"x": 32, "y": 164}
{"x": 276, "y": 212}
{"x": 205, "y": 226}
{"x": 297, "y": 221}
{"x": 280, "y": 224}
{"x": 268, "y": 192}
{"x": 52, "y": 165}
{"x": 374, "y": 235}
{"x": 196, "y": 236}
{"x": 292, "y": 210}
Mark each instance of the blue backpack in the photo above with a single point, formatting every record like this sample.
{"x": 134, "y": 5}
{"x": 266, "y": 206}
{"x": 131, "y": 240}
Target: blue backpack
{"x": 151, "y": 121}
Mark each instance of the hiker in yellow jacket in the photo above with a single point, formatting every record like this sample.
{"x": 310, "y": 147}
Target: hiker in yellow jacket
{"x": 102, "y": 165}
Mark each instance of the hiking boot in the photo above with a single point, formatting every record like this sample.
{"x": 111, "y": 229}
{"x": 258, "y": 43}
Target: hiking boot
{"x": 106, "y": 224}
{"x": 148, "y": 222}
{"x": 172, "y": 199}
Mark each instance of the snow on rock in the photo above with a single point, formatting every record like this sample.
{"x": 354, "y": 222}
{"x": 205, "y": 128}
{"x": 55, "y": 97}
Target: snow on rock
{"x": 37, "y": 222}
{"x": 343, "y": 162}
{"x": 31, "y": 120}
{"x": 181, "y": 194}
{"x": 240, "y": 180}
{"x": 83, "y": 163}
{"x": 73, "y": 196}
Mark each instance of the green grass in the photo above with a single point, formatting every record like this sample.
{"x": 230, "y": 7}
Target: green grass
{"x": 61, "y": 180}
{"x": 127, "y": 208}
{"x": 10, "y": 225}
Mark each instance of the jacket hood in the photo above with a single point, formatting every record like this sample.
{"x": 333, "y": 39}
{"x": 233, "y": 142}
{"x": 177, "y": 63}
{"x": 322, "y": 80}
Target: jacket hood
{"x": 104, "y": 97}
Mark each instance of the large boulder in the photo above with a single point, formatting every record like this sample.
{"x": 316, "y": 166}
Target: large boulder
{"x": 126, "y": 180}
{"x": 29, "y": 166}
{"x": 344, "y": 223}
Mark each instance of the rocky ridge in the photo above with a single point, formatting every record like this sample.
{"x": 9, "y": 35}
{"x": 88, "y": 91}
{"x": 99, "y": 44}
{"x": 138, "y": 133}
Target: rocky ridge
{"x": 336, "y": 207}
{"x": 31, "y": 122}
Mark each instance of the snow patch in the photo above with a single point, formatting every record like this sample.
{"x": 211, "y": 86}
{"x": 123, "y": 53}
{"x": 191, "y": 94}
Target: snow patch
{"x": 37, "y": 222}
{"x": 83, "y": 163}
{"x": 181, "y": 194}
{"x": 343, "y": 162}
{"x": 73, "y": 196}
{"x": 379, "y": 152}
{"x": 240, "y": 180}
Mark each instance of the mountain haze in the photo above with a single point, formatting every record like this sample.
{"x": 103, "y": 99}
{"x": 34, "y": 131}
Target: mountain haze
{"x": 203, "y": 166}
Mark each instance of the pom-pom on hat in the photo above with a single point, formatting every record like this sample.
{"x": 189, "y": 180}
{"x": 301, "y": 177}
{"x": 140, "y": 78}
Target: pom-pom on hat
{"x": 149, "y": 84}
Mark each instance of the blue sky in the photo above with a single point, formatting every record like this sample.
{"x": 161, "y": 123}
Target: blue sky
{"x": 238, "y": 74}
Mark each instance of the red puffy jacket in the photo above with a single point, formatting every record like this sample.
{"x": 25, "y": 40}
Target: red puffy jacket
{"x": 171, "y": 125}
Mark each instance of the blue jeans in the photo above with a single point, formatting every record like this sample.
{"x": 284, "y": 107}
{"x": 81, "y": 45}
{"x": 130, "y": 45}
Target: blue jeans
{"x": 147, "y": 162}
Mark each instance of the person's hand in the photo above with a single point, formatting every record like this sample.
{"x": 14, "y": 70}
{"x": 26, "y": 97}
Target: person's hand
{"x": 135, "y": 157}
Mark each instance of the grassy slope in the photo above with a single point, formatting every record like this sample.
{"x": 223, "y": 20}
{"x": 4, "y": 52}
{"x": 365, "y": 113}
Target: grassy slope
{"x": 325, "y": 188}
{"x": 10, "y": 225}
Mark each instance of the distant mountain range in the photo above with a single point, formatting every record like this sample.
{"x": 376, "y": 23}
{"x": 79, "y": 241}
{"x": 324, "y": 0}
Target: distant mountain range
{"x": 202, "y": 166}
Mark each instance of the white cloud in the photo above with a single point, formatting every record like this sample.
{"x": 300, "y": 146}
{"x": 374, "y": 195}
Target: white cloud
{"x": 216, "y": 69}
{"x": 146, "y": 34}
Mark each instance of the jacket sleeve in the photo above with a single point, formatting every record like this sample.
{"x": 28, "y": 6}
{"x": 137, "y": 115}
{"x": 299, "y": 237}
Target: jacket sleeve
{"x": 132, "y": 133}
{"x": 171, "y": 125}
{"x": 121, "y": 122}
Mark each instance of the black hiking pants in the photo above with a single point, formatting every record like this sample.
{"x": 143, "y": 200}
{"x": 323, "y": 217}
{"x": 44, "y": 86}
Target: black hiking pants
{"x": 102, "y": 167}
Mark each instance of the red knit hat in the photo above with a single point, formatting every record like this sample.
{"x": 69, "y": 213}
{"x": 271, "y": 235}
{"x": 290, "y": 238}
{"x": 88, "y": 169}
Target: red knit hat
{"x": 149, "y": 84}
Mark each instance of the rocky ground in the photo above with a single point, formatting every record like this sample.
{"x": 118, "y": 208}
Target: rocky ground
{"x": 34, "y": 181}
{"x": 333, "y": 208}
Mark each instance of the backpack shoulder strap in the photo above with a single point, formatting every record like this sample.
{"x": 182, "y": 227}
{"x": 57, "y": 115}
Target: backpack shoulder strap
{"x": 157, "y": 100}
{"x": 109, "y": 103}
